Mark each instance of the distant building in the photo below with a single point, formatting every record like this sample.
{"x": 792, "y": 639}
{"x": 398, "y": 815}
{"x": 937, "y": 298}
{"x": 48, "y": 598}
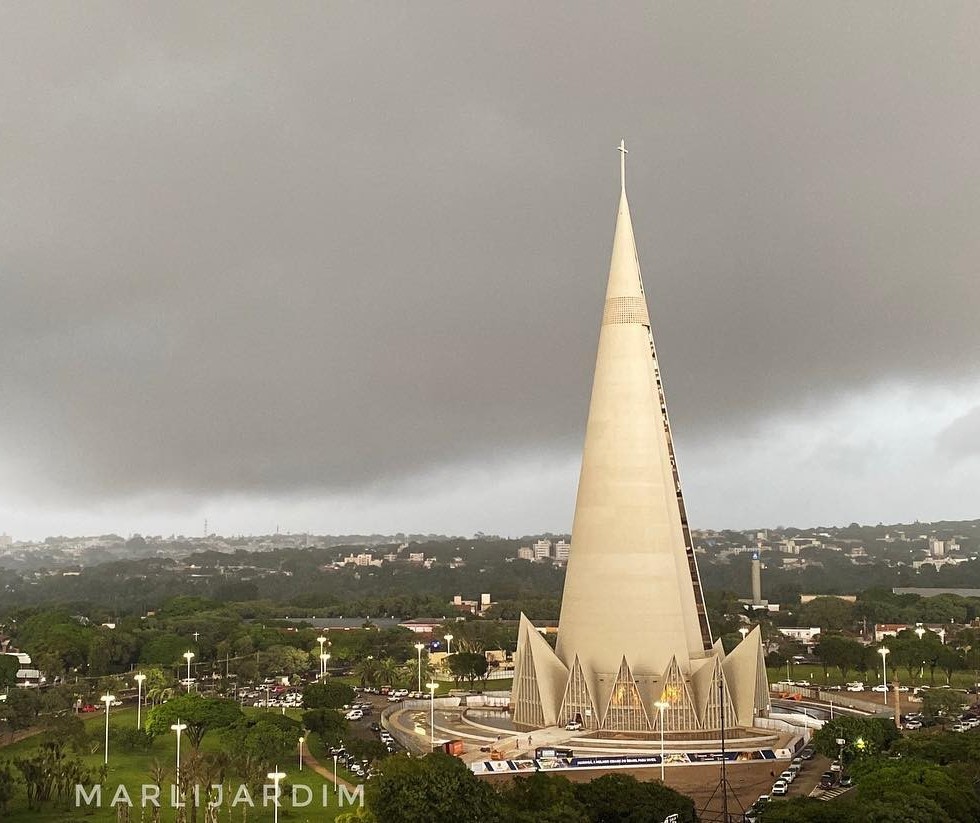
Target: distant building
{"x": 562, "y": 548}
{"x": 423, "y": 625}
{"x": 525, "y": 553}
{"x": 542, "y": 550}
{"x": 6, "y": 539}
{"x": 804, "y": 634}
{"x": 850, "y": 598}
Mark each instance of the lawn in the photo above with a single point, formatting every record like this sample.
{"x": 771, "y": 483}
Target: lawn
{"x": 815, "y": 674}
{"x": 133, "y": 769}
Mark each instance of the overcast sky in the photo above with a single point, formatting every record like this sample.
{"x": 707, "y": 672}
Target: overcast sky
{"x": 340, "y": 266}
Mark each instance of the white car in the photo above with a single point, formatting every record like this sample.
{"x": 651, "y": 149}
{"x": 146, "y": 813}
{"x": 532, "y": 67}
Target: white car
{"x": 881, "y": 687}
{"x": 855, "y": 687}
{"x": 780, "y": 788}
{"x": 788, "y": 775}
{"x": 354, "y": 714}
{"x": 573, "y": 726}
{"x": 912, "y": 725}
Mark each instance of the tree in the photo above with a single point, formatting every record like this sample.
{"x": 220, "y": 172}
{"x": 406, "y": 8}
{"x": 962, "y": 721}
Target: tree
{"x": 329, "y": 694}
{"x": 328, "y": 724}
{"x": 864, "y": 736}
{"x": 366, "y": 671}
{"x": 843, "y": 653}
{"x": 434, "y": 787}
{"x": 621, "y": 798}
{"x": 19, "y": 710}
{"x": 829, "y": 613}
{"x": 543, "y": 798}
{"x": 8, "y": 670}
{"x": 201, "y": 714}
{"x": 893, "y": 782}
{"x": 942, "y": 704}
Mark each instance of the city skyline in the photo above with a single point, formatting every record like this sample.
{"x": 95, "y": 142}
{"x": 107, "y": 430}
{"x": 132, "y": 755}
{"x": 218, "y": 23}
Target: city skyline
{"x": 252, "y": 277}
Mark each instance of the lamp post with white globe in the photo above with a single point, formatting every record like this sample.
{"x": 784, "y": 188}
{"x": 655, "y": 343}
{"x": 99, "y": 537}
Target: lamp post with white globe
{"x": 323, "y": 669}
{"x": 432, "y": 714}
{"x": 108, "y": 699}
{"x": 275, "y": 777}
{"x": 449, "y": 645}
{"x": 662, "y": 706}
{"x": 884, "y": 671}
{"x": 188, "y": 656}
{"x": 178, "y": 727}
{"x": 139, "y": 678}
{"x": 418, "y": 648}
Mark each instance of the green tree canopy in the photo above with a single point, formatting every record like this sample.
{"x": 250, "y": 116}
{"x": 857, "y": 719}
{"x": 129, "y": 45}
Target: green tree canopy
{"x": 431, "y": 788}
{"x": 201, "y": 714}
{"x": 330, "y": 694}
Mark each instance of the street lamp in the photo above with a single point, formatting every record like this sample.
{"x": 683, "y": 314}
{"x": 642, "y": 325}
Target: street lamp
{"x": 335, "y": 774}
{"x": 188, "y": 656}
{"x": 743, "y": 631}
{"x": 301, "y": 740}
{"x": 449, "y": 646}
{"x": 323, "y": 665}
{"x": 107, "y": 699}
{"x": 323, "y": 668}
{"x": 139, "y": 678}
{"x": 662, "y": 706}
{"x": 418, "y": 648}
{"x": 178, "y": 727}
{"x": 884, "y": 671}
{"x": 275, "y": 777}
{"x": 920, "y": 631}
{"x": 942, "y": 635}
{"x": 432, "y": 714}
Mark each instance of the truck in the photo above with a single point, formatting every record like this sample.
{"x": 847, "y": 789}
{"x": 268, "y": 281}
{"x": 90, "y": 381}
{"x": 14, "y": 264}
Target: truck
{"x": 453, "y": 747}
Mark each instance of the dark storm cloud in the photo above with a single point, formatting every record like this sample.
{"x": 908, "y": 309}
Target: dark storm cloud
{"x": 263, "y": 248}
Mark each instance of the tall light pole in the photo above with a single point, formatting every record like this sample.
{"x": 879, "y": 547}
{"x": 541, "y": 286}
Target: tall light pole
{"x": 188, "y": 656}
{"x": 743, "y": 631}
{"x": 139, "y": 678}
{"x": 323, "y": 668}
{"x": 178, "y": 727}
{"x": 662, "y": 706}
{"x": 418, "y": 648}
{"x": 301, "y": 740}
{"x": 449, "y": 646}
{"x": 275, "y": 777}
{"x": 884, "y": 671}
{"x": 432, "y": 714}
{"x": 335, "y": 774}
{"x": 107, "y": 699}
{"x": 323, "y": 665}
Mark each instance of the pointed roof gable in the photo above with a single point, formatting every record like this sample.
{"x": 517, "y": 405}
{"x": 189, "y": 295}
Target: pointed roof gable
{"x": 745, "y": 672}
{"x": 625, "y": 710}
{"x": 539, "y": 677}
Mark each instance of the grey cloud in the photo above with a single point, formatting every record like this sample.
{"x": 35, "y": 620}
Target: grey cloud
{"x": 250, "y": 249}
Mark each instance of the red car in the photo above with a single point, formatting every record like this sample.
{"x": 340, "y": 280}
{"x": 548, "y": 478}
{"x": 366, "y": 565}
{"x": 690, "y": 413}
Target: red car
{"x": 88, "y": 707}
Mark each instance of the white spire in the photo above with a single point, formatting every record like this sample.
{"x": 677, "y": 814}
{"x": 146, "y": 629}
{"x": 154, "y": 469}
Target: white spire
{"x": 623, "y": 151}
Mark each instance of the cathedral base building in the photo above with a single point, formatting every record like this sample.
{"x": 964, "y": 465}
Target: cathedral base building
{"x": 635, "y": 653}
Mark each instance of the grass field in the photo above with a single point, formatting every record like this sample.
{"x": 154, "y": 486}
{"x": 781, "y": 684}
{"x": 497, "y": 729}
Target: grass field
{"x": 134, "y": 769}
{"x": 815, "y": 674}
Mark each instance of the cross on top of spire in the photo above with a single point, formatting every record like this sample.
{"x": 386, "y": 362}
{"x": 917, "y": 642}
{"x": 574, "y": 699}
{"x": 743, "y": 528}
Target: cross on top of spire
{"x": 623, "y": 151}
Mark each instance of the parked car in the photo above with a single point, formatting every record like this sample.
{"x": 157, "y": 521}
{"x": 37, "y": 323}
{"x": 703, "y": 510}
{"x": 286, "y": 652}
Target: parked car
{"x": 828, "y": 780}
{"x": 573, "y": 726}
{"x": 354, "y": 714}
{"x": 788, "y": 775}
{"x": 807, "y": 753}
{"x": 780, "y": 788}
{"x": 856, "y": 686}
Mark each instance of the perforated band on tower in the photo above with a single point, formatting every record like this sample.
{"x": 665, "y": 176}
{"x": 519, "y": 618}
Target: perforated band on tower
{"x": 625, "y": 310}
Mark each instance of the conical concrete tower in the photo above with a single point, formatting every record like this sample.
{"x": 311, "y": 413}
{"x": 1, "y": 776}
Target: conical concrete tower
{"x": 633, "y": 628}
